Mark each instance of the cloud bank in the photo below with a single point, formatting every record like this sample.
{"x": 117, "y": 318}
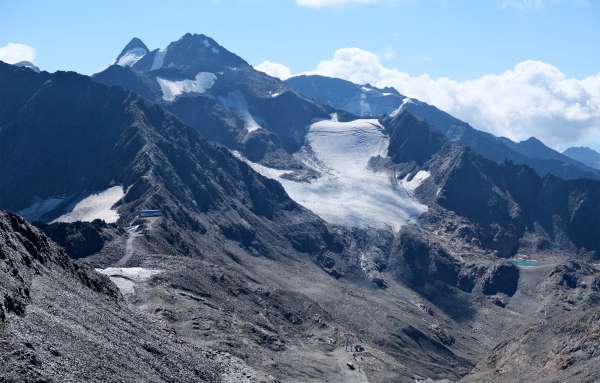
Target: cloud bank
{"x": 532, "y": 99}
{"x": 12, "y": 53}
{"x": 274, "y": 69}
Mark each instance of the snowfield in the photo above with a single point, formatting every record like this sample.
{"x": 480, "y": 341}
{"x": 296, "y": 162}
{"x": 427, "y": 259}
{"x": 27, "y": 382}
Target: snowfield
{"x": 348, "y": 192}
{"x": 131, "y": 57}
{"x": 171, "y": 89}
{"x": 236, "y": 102}
{"x": 126, "y": 277}
{"x": 95, "y": 206}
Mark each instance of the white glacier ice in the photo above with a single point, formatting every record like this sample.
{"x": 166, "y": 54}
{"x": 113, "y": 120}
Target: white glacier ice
{"x": 95, "y": 206}
{"x": 200, "y": 84}
{"x": 348, "y": 192}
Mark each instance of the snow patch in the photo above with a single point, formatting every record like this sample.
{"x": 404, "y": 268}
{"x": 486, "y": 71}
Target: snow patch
{"x": 348, "y": 192}
{"x": 131, "y": 57}
{"x": 159, "y": 59}
{"x": 398, "y": 110}
{"x": 171, "y": 89}
{"x": 416, "y": 181}
{"x": 126, "y": 277}
{"x": 236, "y": 102}
{"x": 95, "y": 206}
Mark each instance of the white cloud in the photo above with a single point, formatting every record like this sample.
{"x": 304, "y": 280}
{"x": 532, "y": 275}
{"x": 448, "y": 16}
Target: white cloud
{"x": 12, "y": 53}
{"x": 274, "y": 69}
{"x": 333, "y": 3}
{"x": 532, "y": 99}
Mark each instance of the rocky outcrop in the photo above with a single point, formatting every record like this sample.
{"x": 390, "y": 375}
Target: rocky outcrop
{"x": 80, "y": 239}
{"x": 501, "y": 278}
{"x": 418, "y": 263}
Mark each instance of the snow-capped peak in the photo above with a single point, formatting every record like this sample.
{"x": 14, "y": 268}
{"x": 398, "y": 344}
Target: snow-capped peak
{"x": 27, "y": 64}
{"x": 132, "y": 53}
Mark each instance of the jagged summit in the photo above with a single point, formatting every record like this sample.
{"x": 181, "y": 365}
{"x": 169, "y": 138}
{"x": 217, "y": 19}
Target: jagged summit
{"x": 132, "y": 53}
{"x": 190, "y": 53}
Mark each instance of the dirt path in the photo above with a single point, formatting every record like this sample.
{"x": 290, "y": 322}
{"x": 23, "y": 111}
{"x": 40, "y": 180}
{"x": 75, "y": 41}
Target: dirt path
{"x": 133, "y": 232}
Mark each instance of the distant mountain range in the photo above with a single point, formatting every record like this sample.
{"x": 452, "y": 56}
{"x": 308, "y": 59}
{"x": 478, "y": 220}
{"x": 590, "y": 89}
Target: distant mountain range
{"x": 369, "y": 101}
{"x": 584, "y": 155}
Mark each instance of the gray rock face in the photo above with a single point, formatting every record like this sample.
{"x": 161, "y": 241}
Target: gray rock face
{"x": 503, "y": 201}
{"x": 63, "y": 322}
{"x": 501, "y": 278}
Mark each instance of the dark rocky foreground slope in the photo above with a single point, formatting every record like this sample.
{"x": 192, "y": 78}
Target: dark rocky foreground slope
{"x": 64, "y": 322}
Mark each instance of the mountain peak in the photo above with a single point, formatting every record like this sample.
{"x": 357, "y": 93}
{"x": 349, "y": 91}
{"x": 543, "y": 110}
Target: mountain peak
{"x": 27, "y": 64}
{"x": 132, "y": 53}
{"x": 532, "y": 140}
{"x": 201, "y": 52}
{"x": 585, "y": 155}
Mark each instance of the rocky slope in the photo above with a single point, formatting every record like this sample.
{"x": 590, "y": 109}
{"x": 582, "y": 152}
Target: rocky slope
{"x": 509, "y": 205}
{"x": 63, "y": 322}
{"x": 561, "y": 346}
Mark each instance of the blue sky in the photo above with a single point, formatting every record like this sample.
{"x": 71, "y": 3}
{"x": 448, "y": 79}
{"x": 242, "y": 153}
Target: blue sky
{"x": 515, "y": 68}
{"x": 458, "y": 39}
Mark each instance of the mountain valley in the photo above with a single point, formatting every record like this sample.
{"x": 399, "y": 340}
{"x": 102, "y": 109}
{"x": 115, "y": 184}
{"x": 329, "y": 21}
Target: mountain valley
{"x": 188, "y": 218}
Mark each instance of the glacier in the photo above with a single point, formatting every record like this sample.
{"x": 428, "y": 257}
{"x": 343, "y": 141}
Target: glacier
{"x": 349, "y": 192}
{"x": 96, "y": 206}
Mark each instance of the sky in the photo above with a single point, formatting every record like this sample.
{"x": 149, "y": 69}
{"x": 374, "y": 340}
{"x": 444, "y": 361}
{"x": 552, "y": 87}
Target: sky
{"x": 516, "y": 68}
